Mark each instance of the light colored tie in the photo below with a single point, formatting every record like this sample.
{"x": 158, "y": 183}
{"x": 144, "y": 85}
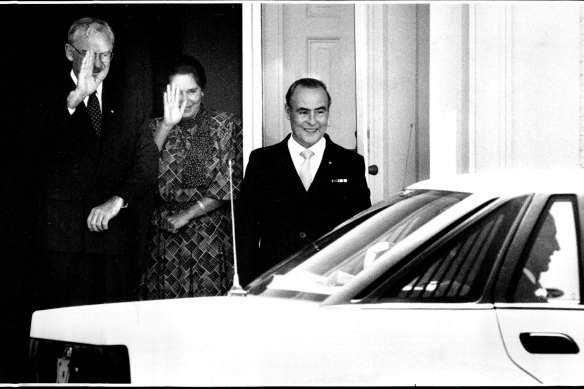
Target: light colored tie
{"x": 305, "y": 172}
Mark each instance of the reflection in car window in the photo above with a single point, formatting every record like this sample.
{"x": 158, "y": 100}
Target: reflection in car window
{"x": 458, "y": 269}
{"x": 330, "y": 262}
{"x": 550, "y": 270}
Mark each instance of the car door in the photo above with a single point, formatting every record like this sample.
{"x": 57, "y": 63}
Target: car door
{"x": 447, "y": 322}
{"x": 541, "y": 317}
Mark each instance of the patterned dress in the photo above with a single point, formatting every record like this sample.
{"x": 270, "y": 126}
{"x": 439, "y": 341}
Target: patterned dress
{"x": 198, "y": 259}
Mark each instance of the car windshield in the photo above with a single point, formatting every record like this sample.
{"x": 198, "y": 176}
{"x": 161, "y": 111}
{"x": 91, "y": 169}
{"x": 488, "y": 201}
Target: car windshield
{"x": 325, "y": 265}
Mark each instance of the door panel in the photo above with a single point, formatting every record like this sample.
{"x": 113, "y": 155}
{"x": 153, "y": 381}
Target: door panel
{"x": 309, "y": 40}
{"x": 410, "y": 344}
{"x": 549, "y": 354}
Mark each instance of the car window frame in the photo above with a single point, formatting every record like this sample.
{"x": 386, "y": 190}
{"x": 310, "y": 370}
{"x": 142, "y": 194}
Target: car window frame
{"x": 517, "y": 255}
{"x": 372, "y": 293}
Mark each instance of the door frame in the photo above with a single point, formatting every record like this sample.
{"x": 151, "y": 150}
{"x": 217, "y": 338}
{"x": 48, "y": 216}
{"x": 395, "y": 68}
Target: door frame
{"x": 369, "y": 39}
{"x": 370, "y": 94}
{"x": 252, "y": 69}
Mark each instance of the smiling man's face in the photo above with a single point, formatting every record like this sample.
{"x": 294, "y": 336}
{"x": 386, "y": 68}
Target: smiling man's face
{"x": 308, "y": 114}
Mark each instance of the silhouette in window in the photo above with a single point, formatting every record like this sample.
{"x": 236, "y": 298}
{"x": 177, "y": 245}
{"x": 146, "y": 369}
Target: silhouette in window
{"x": 543, "y": 247}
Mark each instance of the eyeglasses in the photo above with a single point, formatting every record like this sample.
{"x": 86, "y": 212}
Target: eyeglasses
{"x": 104, "y": 57}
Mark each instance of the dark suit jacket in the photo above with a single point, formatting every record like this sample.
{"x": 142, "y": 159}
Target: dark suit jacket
{"x": 526, "y": 291}
{"x": 80, "y": 171}
{"x": 276, "y": 216}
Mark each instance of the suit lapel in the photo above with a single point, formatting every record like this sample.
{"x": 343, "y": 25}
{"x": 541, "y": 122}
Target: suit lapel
{"x": 108, "y": 135}
{"x": 108, "y": 112}
{"x": 323, "y": 173}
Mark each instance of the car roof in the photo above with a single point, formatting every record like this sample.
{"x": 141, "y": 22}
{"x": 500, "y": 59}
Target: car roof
{"x": 509, "y": 182}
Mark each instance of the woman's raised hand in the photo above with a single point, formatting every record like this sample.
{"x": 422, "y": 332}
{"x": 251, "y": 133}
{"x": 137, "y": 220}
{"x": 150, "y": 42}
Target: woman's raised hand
{"x": 173, "y": 106}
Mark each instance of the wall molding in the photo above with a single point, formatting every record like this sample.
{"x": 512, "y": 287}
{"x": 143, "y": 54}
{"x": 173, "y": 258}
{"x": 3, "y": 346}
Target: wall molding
{"x": 581, "y": 102}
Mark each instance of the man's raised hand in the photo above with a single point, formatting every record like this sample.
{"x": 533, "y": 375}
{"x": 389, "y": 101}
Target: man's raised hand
{"x": 87, "y": 81}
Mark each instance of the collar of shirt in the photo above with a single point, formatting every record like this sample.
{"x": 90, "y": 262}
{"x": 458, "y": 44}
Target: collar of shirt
{"x": 318, "y": 149}
{"x": 99, "y": 89}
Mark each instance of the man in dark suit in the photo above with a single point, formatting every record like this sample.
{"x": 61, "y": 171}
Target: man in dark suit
{"x": 96, "y": 167}
{"x": 290, "y": 196}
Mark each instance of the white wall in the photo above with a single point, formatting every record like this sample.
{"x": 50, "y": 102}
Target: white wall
{"x": 527, "y": 85}
{"x": 448, "y": 88}
{"x": 505, "y": 82}
{"x": 545, "y": 85}
{"x": 423, "y": 93}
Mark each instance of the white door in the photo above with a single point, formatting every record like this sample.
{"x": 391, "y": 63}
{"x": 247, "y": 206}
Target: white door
{"x": 309, "y": 40}
{"x": 378, "y": 86}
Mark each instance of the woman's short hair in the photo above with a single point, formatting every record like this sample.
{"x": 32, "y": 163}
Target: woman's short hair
{"x": 86, "y": 26}
{"x": 185, "y": 64}
{"x": 312, "y": 83}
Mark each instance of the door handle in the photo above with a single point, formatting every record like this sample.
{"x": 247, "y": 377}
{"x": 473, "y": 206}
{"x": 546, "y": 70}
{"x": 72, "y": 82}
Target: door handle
{"x": 548, "y": 343}
{"x": 373, "y": 170}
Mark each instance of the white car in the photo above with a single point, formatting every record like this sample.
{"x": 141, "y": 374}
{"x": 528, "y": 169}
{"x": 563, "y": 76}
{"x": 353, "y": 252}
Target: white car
{"x": 447, "y": 283}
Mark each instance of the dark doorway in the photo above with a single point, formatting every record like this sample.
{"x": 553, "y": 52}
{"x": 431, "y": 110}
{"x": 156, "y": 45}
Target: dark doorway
{"x": 33, "y": 37}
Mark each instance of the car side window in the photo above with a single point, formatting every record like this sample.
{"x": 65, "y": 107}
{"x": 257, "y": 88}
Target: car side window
{"x": 458, "y": 269}
{"x": 550, "y": 271}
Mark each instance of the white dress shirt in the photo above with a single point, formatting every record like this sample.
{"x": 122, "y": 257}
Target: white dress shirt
{"x": 295, "y": 149}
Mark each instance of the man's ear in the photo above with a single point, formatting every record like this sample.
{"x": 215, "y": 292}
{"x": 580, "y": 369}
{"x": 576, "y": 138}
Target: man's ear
{"x": 287, "y": 110}
{"x": 68, "y": 52}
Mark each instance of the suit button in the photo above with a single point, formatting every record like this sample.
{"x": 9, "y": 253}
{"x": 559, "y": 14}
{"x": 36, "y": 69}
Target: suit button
{"x": 302, "y": 235}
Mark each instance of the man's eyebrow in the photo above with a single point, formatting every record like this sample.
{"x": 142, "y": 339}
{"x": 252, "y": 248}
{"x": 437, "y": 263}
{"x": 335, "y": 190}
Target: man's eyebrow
{"x": 308, "y": 109}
